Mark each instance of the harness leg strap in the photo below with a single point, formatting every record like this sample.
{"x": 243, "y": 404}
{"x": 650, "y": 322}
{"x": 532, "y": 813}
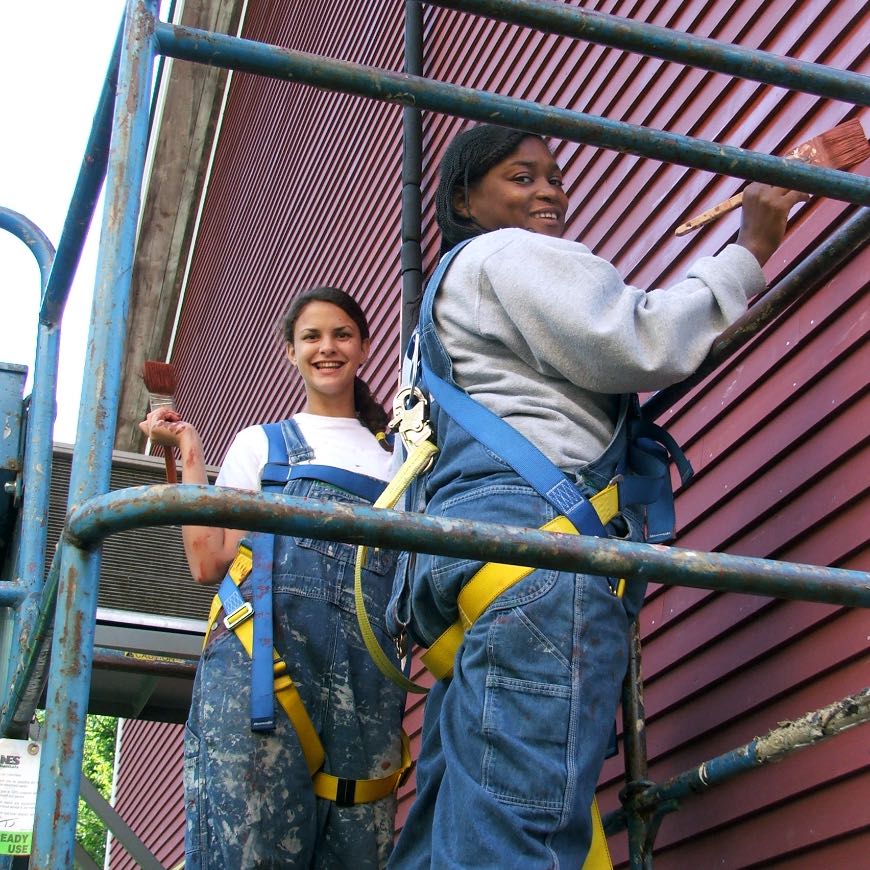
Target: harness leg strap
{"x": 287, "y": 695}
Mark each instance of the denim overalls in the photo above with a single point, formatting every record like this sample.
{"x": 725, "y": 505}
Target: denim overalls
{"x": 249, "y": 798}
{"x": 513, "y": 743}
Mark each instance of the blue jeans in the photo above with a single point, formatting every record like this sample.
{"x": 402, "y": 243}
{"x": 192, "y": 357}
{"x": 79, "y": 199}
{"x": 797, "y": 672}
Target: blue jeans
{"x": 249, "y": 798}
{"x": 513, "y": 744}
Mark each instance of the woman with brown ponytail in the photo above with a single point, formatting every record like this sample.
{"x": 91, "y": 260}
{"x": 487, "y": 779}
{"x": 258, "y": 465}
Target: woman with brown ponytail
{"x": 249, "y": 795}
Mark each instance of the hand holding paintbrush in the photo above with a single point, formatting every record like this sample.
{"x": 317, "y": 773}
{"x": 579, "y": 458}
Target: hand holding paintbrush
{"x": 160, "y": 382}
{"x": 840, "y": 148}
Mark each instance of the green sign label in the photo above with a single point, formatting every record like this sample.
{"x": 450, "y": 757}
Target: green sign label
{"x": 19, "y": 773}
{"x": 15, "y": 842}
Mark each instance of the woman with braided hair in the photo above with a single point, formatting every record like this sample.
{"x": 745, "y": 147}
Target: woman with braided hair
{"x": 547, "y": 336}
{"x": 251, "y": 801}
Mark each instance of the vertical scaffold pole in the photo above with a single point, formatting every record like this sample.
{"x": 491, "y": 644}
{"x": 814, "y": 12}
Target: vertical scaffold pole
{"x": 634, "y": 744}
{"x": 72, "y": 649}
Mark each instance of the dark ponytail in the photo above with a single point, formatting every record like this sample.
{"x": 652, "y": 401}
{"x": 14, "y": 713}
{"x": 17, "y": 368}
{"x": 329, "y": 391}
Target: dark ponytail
{"x": 467, "y": 159}
{"x": 368, "y": 410}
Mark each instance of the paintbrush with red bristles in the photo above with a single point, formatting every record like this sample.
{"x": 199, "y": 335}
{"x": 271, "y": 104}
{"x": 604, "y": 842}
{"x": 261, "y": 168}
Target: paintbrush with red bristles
{"x": 839, "y": 148}
{"x": 160, "y": 382}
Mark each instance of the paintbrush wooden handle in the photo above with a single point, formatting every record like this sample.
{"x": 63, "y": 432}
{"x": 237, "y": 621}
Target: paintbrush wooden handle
{"x": 710, "y": 215}
{"x": 171, "y": 472}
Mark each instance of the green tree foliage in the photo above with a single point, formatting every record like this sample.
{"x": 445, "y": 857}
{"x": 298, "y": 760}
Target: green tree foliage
{"x": 97, "y": 765}
{"x": 98, "y": 762}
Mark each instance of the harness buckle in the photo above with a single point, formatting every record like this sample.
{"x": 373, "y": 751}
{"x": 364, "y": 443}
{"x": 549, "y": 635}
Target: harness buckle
{"x": 238, "y": 616}
{"x": 345, "y": 792}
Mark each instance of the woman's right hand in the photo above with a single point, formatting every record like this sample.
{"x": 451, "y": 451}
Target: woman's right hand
{"x": 209, "y": 549}
{"x": 764, "y": 218}
{"x": 165, "y": 426}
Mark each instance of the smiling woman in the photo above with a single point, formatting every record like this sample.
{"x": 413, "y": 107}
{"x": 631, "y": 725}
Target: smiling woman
{"x": 233, "y": 768}
{"x": 326, "y": 345}
{"x": 548, "y": 337}
{"x": 524, "y": 190}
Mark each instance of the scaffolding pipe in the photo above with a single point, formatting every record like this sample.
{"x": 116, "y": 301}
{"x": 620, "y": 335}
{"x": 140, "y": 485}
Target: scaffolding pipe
{"x": 808, "y": 730}
{"x": 72, "y": 648}
{"x": 28, "y": 679}
{"x": 183, "y": 504}
{"x": 634, "y": 748}
{"x": 58, "y": 270}
{"x": 803, "y": 279}
{"x": 684, "y": 48}
{"x": 119, "y": 829}
{"x": 145, "y": 665}
{"x": 29, "y": 567}
{"x": 200, "y": 46}
{"x": 36, "y": 240}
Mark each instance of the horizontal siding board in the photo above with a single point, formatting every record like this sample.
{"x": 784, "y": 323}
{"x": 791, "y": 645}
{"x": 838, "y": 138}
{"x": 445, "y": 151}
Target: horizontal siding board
{"x": 775, "y": 349}
{"x": 731, "y": 808}
{"x": 837, "y": 541}
{"x": 747, "y": 685}
{"x": 742, "y": 647}
{"x": 727, "y": 806}
{"x": 808, "y": 820}
{"x": 776, "y": 467}
{"x": 148, "y": 792}
{"x": 840, "y": 853}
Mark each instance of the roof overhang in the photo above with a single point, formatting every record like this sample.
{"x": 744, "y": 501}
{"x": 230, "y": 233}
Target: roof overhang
{"x": 190, "y": 102}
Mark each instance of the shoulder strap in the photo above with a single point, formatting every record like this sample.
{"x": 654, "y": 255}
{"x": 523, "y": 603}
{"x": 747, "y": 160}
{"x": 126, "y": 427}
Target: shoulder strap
{"x": 274, "y": 475}
{"x": 649, "y": 446}
{"x": 497, "y": 435}
{"x": 525, "y": 459}
{"x": 260, "y": 546}
{"x": 262, "y": 676}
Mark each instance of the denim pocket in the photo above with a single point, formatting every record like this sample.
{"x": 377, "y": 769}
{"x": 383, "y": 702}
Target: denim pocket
{"x": 377, "y": 560}
{"x": 526, "y": 727}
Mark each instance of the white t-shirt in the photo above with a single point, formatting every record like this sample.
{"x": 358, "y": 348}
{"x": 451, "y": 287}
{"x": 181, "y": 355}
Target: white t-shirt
{"x": 342, "y": 442}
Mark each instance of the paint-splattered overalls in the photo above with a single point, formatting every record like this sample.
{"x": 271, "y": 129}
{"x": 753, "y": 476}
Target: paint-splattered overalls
{"x": 248, "y": 795}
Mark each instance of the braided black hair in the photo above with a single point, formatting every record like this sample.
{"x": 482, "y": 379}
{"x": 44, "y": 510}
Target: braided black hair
{"x": 467, "y": 159}
{"x": 368, "y": 410}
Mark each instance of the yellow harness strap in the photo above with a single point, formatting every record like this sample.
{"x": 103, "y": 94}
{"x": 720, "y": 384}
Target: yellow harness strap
{"x": 495, "y": 578}
{"x": 598, "y": 856}
{"x": 417, "y": 460}
{"x": 334, "y": 788}
{"x": 490, "y": 581}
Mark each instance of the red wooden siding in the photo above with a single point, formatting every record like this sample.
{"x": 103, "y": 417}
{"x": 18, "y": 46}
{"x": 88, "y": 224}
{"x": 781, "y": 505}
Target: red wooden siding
{"x": 306, "y": 189}
{"x": 151, "y": 762}
{"x": 778, "y": 437}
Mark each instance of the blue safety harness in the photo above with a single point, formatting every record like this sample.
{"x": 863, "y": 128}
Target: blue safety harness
{"x": 642, "y": 468}
{"x": 280, "y": 468}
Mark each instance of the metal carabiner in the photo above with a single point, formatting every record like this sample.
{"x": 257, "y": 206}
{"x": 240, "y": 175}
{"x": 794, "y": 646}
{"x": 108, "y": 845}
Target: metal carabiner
{"x": 410, "y": 417}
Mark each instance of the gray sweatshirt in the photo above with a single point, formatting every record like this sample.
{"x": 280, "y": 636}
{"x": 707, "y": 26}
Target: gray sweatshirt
{"x": 547, "y": 335}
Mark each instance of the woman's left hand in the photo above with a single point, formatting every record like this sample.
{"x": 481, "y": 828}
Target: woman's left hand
{"x": 764, "y": 217}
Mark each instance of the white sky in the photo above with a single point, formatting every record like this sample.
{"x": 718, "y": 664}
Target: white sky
{"x": 53, "y": 60}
